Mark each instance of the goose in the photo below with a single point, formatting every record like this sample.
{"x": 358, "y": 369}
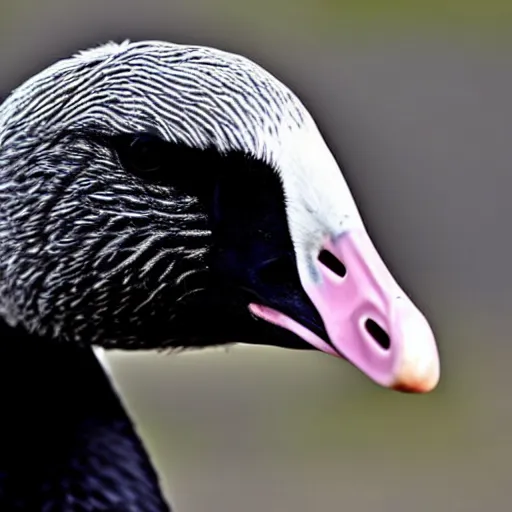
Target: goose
{"x": 160, "y": 196}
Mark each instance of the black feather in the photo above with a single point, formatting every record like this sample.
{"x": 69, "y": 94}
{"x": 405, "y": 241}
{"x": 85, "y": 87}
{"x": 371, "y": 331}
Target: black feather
{"x": 66, "y": 442}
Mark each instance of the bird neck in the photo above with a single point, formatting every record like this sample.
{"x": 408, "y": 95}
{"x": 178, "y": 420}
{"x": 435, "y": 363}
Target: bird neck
{"x": 66, "y": 442}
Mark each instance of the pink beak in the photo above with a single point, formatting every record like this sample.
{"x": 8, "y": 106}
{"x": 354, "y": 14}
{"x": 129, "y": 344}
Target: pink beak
{"x": 370, "y": 321}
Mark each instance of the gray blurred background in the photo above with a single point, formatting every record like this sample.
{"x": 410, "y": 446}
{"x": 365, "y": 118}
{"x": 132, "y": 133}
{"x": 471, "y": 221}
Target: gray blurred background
{"x": 414, "y": 100}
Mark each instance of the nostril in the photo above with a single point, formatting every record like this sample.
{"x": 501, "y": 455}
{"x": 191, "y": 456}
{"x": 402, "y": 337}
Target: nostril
{"x": 332, "y": 263}
{"x": 378, "y": 333}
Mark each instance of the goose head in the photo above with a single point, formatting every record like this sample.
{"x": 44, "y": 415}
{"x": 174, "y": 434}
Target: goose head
{"x": 154, "y": 195}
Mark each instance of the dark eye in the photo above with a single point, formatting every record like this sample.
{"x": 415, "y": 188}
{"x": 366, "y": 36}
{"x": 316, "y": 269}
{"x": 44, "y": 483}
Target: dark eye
{"x": 142, "y": 154}
{"x": 172, "y": 164}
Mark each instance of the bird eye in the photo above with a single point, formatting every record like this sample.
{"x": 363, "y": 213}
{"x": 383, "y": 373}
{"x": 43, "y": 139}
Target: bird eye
{"x": 142, "y": 154}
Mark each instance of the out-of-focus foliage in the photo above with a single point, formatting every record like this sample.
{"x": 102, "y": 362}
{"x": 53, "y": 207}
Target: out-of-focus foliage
{"x": 366, "y": 16}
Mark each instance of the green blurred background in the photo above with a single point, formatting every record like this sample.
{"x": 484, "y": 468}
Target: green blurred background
{"x": 414, "y": 99}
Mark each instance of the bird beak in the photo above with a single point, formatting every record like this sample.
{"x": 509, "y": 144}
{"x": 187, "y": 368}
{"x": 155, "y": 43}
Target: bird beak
{"x": 370, "y": 321}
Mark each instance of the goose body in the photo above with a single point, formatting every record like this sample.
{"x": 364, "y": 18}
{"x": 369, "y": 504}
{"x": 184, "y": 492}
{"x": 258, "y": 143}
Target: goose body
{"x": 153, "y": 196}
{"x": 66, "y": 442}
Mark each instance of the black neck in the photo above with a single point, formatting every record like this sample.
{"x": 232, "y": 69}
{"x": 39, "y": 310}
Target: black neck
{"x": 66, "y": 442}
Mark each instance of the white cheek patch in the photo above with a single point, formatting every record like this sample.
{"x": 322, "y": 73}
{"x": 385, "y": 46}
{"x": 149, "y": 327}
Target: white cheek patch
{"x": 319, "y": 201}
{"x": 370, "y": 321}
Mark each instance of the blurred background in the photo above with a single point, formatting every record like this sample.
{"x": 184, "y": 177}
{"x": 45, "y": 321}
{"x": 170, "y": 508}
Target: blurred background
{"x": 414, "y": 99}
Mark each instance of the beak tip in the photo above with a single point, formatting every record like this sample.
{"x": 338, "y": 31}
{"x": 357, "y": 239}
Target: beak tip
{"x": 415, "y": 380}
{"x": 418, "y": 363}
{"x": 416, "y": 387}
